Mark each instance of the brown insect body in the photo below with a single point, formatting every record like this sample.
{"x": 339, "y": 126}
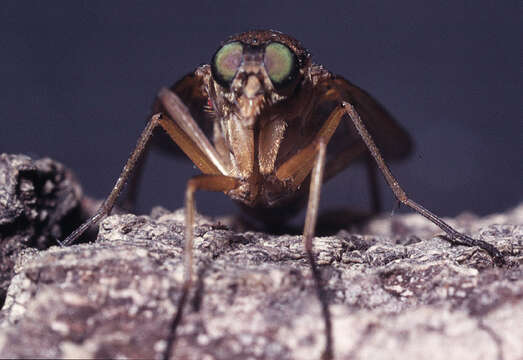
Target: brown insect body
{"x": 256, "y": 128}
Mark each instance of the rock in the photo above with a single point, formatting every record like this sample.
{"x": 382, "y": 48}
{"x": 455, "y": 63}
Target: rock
{"x": 396, "y": 292}
{"x": 39, "y": 202}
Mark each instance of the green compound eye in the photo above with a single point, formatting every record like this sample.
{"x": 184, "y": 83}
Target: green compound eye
{"x": 226, "y": 61}
{"x": 280, "y": 63}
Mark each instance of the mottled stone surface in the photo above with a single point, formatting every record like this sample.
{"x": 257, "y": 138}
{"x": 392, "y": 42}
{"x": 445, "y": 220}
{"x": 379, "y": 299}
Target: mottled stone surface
{"x": 39, "y": 201}
{"x": 396, "y": 293}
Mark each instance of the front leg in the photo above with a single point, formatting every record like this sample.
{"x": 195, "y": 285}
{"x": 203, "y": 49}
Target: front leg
{"x": 311, "y": 160}
{"x": 308, "y": 234}
{"x": 201, "y": 182}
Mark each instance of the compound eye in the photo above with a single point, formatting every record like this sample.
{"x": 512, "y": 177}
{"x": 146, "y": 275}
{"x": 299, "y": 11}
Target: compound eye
{"x": 280, "y": 63}
{"x": 226, "y": 62}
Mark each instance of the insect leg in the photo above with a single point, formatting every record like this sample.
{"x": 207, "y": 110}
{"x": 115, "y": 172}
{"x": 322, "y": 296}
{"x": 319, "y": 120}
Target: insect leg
{"x": 117, "y": 189}
{"x": 200, "y": 182}
{"x": 130, "y": 196}
{"x": 182, "y": 118}
{"x": 308, "y": 234}
{"x": 296, "y": 169}
{"x": 189, "y": 146}
{"x": 454, "y": 235}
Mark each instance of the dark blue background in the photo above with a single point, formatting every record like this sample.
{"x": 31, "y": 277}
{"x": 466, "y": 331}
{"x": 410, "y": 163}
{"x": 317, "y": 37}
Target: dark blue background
{"x": 77, "y": 80}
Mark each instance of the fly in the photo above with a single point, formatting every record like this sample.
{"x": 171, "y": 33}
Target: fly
{"x": 263, "y": 123}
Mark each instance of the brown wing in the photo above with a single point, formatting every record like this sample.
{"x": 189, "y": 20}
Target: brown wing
{"x": 189, "y": 89}
{"x": 393, "y": 141}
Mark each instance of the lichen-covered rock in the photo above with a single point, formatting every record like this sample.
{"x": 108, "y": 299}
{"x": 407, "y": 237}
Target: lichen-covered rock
{"x": 39, "y": 202}
{"x": 397, "y": 292}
